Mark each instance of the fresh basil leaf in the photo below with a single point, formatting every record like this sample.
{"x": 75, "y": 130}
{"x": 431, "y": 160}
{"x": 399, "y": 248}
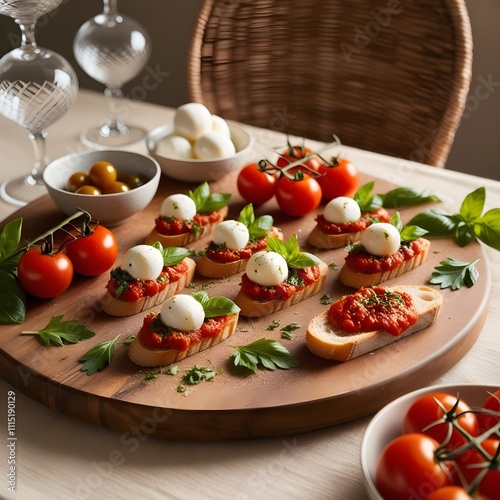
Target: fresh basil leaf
{"x": 411, "y": 233}
{"x": 464, "y": 234}
{"x": 487, "y": 228}
{"x": 219, "y": 306}
{"x": 12, "y": 299}
{"x": 174, "y": 255}
{"x": 10, "y": 238}
{"x": 473, "y": 204}
{"x": 276, "y": 245}
{"x": 200, "y": 195}
{"x": 363, "y": 194}
{"x": 202, "y": 297}
{"x": 408, "y": 197}
{"x": 437, "y": 222}
{"x": 247, "y": 215}
{"x": 396, "y": 221}
{"x": 302, "y": 260}
{"x": 260, "y": 227}
{"x": 292, "y": 246}
{"x": 215, "y": 202}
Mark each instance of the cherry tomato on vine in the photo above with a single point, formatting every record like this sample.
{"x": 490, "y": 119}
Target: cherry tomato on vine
{"x": 470, "y": 465}
{"x": 294, "y": 153}
{"x": 299, "y": 196}
{"x": 426, "y": 410}
{"x": 255, "y": 185}
{"x": 93, "y": 254}
{"x": 449, "y": 493}
{"x": 407, "y": 468}
{"x": 486, "y": 422}
{"x": 339, "y": 179}
{"x": 44, "y": 275}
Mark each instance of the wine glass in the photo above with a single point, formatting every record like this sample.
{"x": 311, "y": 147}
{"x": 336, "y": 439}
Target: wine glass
{"x": 37, "y": 87}
{"x": 112, "y": 49}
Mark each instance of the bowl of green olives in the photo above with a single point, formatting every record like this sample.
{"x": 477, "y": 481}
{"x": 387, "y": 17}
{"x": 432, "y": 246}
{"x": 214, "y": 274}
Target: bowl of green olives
{"x": 111, "y": 185}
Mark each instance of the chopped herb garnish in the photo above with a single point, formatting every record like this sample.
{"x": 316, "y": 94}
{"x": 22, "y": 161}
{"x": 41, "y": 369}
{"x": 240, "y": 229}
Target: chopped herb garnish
{"x": 198, "y": 374}
{"x": 325, "y": 300}
{"x": 274, "y": 324}
{"x": 97, "y": 358}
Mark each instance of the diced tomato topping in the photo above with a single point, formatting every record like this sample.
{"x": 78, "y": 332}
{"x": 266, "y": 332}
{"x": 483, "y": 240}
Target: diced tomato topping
{"x": 366, "y": 219}
{"x": 363, "y": 262}
{"x": 169, "y": 226}
{"x": 372, "y": 309}
{"x": 155, "y": 335}
{"x": 284, "y": 290}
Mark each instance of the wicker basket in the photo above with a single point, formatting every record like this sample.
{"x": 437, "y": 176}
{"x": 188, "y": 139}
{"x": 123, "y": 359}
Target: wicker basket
{"x": 389, "y": 76}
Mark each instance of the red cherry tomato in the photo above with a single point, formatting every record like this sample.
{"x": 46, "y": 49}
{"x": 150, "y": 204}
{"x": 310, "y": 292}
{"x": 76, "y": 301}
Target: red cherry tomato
{"x": 470, "y": 462}
{"x": 93, "y": 254}
{"x": 298, "y": 197}
{"x": 407, "y": 468}
{"x": 449, "y": 493}
{"x": 44, "y": 275}
{"x": 339, "y": 179}
{"x": 255, "y": 185}
{"x": 294, "y": 153}
{"x": 486, "y": 422}
{"x": 425, "y": 411}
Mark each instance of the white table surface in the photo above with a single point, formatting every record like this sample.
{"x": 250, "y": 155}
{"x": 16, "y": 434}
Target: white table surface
{"x": 58, "y": 457}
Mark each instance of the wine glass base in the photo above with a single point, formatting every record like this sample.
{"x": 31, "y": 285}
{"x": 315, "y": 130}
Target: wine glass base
{"x": 94, "y": 137}
{"x": 21, "y": 191}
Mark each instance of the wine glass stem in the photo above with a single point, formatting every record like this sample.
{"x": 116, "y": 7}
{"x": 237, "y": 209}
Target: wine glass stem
{"x": 110, "y": 7}
{"x": 115, "y": 124}
{"x": 38, "y": 141}
{"x": 27, "y": 33}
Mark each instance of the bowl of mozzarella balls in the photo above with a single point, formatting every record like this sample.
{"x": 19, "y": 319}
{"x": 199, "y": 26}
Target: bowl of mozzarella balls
{"x": 198, "y": 145}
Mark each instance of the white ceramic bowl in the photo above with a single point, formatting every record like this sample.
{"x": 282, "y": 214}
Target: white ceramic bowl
{"x": 201, "y": 170}
{"x": 108, "y": 209}
{"x": 386, "y": 425}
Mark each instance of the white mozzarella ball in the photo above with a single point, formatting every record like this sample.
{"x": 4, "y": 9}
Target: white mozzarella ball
{"x": 178, "y": 206}
{"x": 381, "y": 239}
{"x": 175, "y": 146}
{"x": 232, "y": 233}
{"x": 192, "y": 120}
{"x": 143, "y": 262}
{"x": 182, "y": 312}
{"x": 220, "y": 125}
{"x": 213, "y": 145}
{"x": 342, "y": 210}
{"x": 267, "y": 268}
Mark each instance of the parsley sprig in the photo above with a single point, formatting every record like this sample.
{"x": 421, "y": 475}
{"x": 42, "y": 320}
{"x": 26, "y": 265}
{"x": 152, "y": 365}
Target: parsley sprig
{"x": 59, "y": 332}
{"x": 466, "y": 225}
{"x": 264, "y": 353}
{"x": 97, "y": 358}
{"x": 452, "y": 273}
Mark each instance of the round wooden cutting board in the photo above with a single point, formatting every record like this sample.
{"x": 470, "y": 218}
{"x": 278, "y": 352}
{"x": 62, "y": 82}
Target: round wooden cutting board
{"x": 236, "y": 404}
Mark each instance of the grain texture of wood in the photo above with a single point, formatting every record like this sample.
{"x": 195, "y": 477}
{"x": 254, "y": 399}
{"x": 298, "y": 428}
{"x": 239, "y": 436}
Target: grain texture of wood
{"x": 236, "y": 404}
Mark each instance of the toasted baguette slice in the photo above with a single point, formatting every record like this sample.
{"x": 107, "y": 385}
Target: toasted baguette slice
{"x": 327, "y": 342}
{"x": 357, "y": 280}
{"x": 320, "y": 239}
{"x": 213, "y": 269}
{"x": 117, "y": 307}
{"x": 181, "y": 240}
{"x": 255, "y": 309}
{"x": 142, "y": 356}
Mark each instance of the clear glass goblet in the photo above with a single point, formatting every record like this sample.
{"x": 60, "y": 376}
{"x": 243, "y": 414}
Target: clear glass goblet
{"x": 112, "y": 49}
{"x": 37, "y": 87}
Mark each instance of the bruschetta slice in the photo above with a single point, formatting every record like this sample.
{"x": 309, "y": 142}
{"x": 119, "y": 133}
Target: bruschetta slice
{"x": 147, "y": 276}
{"x": 279, "y": 277}
{"x": 342, "y": 223}
{"x": 234, "y": 242}
{"x": 186, "y": 325}
{"x": 371, "y": 318}
{"x": 185, "y": 218}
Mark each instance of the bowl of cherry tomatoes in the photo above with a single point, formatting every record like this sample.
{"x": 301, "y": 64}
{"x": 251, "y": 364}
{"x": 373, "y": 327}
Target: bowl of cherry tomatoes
{"x": 111, "y": 185}
{"x": 440, "y": 442}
